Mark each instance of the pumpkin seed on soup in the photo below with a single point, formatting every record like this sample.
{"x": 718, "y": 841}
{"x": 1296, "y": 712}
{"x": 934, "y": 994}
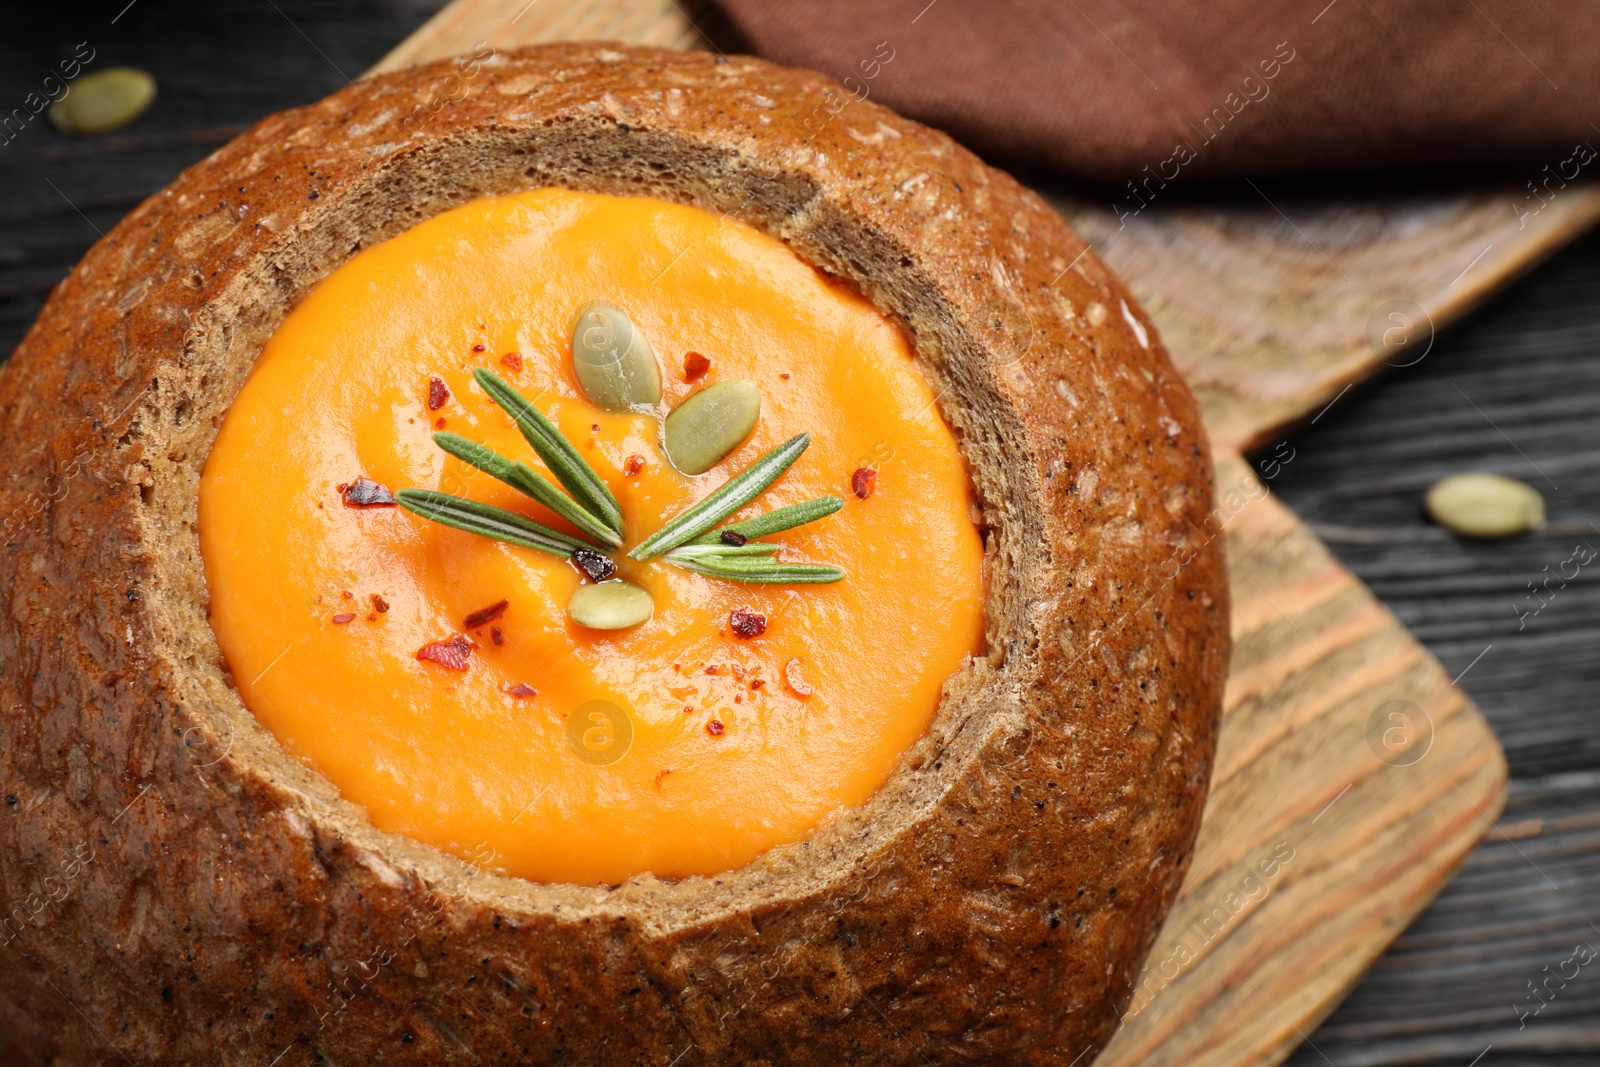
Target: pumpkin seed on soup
{"x": 615, "y": 365}
{"x": 710, "y": 424}
{"x": 104, "y": 101}
{"x": 1485, "y": 505}
{"x": 614, "y": 605}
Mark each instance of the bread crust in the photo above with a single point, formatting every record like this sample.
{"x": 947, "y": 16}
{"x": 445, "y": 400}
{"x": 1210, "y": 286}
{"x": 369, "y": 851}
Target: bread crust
{"x": 177, "y": 889}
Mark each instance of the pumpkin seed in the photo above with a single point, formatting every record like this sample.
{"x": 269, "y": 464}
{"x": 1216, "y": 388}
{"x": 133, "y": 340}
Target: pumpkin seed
{"x": 104, "y": 101}
{"x": 710, "y": 424}
{"x": 615, "y": 366}
{"x": 1485, "y": 505}
{"x": 610, "y": 606}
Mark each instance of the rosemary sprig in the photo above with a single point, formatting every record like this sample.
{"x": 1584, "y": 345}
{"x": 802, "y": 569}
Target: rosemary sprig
{"x": 487, "y": 521}
{"x": 528, "y": 481}
{"x": 786, "y": 518}
{"x": 730, "y": 565}
{"x": 552, "y": 446}
{"x": 732, "y": 495}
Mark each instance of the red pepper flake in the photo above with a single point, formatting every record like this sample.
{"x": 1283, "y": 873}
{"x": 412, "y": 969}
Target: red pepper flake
{"x": 863, "y": 482}
{"x": 512, "y": 360}
{"x": 522, "y": 691}
{"x": 344, "y": 617}
{"x": 379, "y": 604}
{"x": 438, "y": 393}
{"x": 454, "y": 653}
{"x": 757, "y": 683}
{"x": 738, "y": 698}
{"x": 715, "y": 728}
{"x": 695, "y": 366}
{"x": 711, "y": 668}
{"x": 633, "y": 465}
{"x": 784, "y": 375}
{"x": 594, "y": 427}
{"x": 496, "y": 636}
{"x": 365, "y": 493}
{"x": 348, "y": 595}
{"x": 485, "y": 615}
{"x": 688, "y": 709}
{"x": 746, "y": 623}
{"x": 439, "y": 422}
{"x": 797, "y": 685}
{"x": 662, "y": 773}
{"x": 597, "y": 566}
{"x": 479, "y": 347}
{"x": 732, "y": 537}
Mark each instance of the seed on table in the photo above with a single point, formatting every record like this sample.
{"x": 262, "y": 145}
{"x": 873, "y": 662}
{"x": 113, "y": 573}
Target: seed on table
{"x": 610, "y": 606}
{"x": 710, "y": 424}
{"x": 1485, "y": 505}
{"x": 615, "y": 365}
{"x": 104, "y": 101}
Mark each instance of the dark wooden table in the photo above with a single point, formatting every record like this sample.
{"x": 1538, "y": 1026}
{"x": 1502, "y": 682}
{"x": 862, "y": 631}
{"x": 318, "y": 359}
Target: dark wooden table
{"x": 1516, "y": 390}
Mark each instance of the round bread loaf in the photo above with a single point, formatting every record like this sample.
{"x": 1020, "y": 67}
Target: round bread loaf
{"x": 178, "y": 889}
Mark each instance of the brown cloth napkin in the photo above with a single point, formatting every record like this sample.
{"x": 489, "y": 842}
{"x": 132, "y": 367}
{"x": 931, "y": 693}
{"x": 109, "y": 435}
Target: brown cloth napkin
{"x": 1135, "y": 90}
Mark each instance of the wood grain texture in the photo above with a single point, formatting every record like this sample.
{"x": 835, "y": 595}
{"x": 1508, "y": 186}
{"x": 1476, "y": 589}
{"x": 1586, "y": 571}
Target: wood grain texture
{"x": 1371, "y": 811}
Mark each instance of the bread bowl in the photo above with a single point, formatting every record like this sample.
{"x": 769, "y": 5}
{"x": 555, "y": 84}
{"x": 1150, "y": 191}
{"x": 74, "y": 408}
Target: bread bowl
{"x": 211, "y": 895}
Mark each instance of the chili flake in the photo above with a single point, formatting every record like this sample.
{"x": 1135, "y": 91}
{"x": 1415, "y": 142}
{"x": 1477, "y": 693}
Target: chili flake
{"x": 348, "y": 595}
{"x": 633, "y": 465}
{"x": 695, "y": 366}
{"x": 732, "y": 537}
{"x": 496, "y": 636}
{"x": 715, "y": 728}
{"x": 863, "y": 482}
{"x": 513, "y": 360}
{"x": 479, "y": 347}
{"x": 483, "y": 615}
{"x": 522, "y": 691}
{"x": 343, "y": 617}
{"x": 454, "y": 653}
{"x": 797, "y": 685}
{"x": 746, "y": 623}
{"x": 379, "y": 604}
{"x": 438, "y": 394}
{"x": 597, "y": 566}
{"x": 365, "y": 493}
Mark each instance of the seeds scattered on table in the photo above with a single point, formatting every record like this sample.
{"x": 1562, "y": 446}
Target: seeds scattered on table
{"x": 1485, "y": 505}
{"x": 104, "y": 101}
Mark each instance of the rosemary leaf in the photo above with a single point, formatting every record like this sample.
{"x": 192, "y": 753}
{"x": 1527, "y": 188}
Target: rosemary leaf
{"x": 776, "y": 521}
{"x": 756, "y": 570}
{"x": 526, "y": 480}
{"x": 487, "y": 521}
{"x": 732, "y": 495}
{"x": 552, "y": 446}
{"x": 714, "y": 552}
